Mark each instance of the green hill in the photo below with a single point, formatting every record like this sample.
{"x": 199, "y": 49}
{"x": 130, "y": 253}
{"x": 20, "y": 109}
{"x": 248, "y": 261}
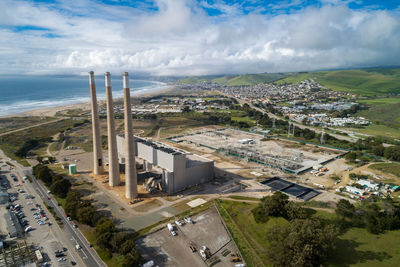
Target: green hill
{"x": 367, "y": 82}
{"x": 236, "y": 80}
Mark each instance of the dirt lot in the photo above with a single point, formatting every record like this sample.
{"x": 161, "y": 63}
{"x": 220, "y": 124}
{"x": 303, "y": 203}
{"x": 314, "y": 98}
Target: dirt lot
{"x": 208, "y": 230}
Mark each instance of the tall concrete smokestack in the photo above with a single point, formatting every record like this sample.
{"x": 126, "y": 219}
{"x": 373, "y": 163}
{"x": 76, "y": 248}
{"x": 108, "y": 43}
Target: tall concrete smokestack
{"x": 130, "y": 165}
{"x": 113, "y": 169}
{"x": 97, "y": 153}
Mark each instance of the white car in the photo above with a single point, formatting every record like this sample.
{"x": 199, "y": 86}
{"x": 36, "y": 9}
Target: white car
{"x": 178, "y": 222}
{"x": 173, "y": 233}
{"x": 27, "y": 229}
{"x": 61, "y": 259}
{"x": 188, "y": 220}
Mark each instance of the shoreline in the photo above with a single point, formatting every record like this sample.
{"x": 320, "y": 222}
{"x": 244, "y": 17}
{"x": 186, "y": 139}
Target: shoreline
{"x": 51, "y": 111}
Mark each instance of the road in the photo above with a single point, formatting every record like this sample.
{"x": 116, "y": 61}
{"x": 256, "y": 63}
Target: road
{"x": 32, "y": 126}
{"x": 87, "y": 255}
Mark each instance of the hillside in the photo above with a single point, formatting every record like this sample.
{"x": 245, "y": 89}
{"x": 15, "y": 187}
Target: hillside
{"x": 367, "y": 82}
{"x": 236, "y": 80}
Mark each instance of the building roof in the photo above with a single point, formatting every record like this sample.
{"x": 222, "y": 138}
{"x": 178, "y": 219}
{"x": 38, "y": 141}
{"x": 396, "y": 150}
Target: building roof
{"x": 13, "y": 226}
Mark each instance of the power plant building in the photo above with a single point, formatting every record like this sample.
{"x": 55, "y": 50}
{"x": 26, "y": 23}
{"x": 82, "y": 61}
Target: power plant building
{"x": 179, "y": 169}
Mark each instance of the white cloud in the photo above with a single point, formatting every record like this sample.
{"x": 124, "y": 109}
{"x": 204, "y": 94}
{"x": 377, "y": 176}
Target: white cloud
{"x": 181, "y": 39}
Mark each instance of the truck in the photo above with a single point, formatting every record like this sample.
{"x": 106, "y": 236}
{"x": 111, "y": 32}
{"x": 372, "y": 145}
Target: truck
{"x": 205, "y": 252}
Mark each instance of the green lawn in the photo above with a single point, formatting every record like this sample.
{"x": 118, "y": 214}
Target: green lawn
{"x": 244, "y": 198}
{"x": 356, "y": 247}
{"x": 384, "y": 113}
{"x": 392, "y": 168}
{"x": 381, "y": 101}
{"x": 378, "y": 130}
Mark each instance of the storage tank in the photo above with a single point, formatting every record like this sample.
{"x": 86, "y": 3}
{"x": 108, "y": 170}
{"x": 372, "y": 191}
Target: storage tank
{"x": 72, "y": 169}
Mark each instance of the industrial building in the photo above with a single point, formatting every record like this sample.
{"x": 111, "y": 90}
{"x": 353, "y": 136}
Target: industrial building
{"x": 169, "y": 169}
{"x": 178, "y": 169}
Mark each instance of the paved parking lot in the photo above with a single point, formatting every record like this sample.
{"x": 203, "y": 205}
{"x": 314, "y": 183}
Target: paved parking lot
{"x": 207, "y": 230}
{"x": 42, "y": 236}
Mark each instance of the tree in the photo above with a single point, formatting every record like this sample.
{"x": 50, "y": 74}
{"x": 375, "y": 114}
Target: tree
{"x": 294, "y": 211}
{"x": 118, "y": 239}
{"x": 127, "y": 246}
{"x": 105, "y": 225}
{"x": 352, "y": 156}
{"x": 186, "y": 109}
{"x": 87, "y": 215}
{"x": 274, "y": 205}
{"x": 61, "y": 187}
{"x": 132, "y": 259}
{"x": 43, "y": 173}
{"x": 392, "y": 153}
{"x": 301, "y": 242}
{"x": 378, "y": 150}
{"x": 72, "y": 203}
{"x": 103, "y": 240}
{"x": 345, "y": 208}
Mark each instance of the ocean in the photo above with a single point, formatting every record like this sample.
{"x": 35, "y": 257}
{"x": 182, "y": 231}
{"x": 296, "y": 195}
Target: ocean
{"x": 20, "y": 94}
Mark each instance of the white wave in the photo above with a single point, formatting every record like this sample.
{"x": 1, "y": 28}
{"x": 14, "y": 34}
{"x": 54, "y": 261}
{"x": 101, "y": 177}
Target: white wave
{"x": 26, "y": 105}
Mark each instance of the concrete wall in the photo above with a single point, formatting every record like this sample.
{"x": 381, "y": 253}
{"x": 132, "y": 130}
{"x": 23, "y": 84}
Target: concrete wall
{"x": 164, "y": 160}
{"x": 145, "y": 152}
{"x": 200, "y": 173}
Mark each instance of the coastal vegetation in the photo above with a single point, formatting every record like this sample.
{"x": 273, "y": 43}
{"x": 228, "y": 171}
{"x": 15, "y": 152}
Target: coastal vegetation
{"x": 392, "y": 168}
{"x": 18, "y": 144}
{"x": 272, "y": 232}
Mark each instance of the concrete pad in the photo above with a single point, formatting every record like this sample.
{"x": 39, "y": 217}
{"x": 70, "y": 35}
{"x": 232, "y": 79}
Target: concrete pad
{"x": 196, "y": 202}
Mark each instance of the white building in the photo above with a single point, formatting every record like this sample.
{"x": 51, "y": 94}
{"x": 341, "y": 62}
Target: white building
{"x": 179, "y": 169}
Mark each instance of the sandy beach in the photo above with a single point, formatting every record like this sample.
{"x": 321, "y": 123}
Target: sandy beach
{"x": 52, "y": 111}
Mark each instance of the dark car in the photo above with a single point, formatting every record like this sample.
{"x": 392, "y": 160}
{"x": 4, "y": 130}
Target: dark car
{"x": 73, "y": 263}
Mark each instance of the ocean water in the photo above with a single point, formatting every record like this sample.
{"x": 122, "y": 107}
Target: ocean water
{"x": 19, "y": 94}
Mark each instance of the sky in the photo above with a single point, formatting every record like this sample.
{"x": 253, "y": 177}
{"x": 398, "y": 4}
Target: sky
{"x": 196, "y": 37}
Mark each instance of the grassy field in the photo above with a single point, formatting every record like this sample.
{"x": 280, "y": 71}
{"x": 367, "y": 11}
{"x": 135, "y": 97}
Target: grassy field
{"x": 13, "y": 123}
{"x": 12, "y": 142}
{"x": 392, "y": 168}
{"x": 356, "y": 247}
{"x": 378, "y": 130}
{"x": 384, "y": 113}
{"x": 373, "y": 82}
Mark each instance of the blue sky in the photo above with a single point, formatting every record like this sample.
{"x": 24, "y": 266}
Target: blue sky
{"x": 189, "y": 37}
